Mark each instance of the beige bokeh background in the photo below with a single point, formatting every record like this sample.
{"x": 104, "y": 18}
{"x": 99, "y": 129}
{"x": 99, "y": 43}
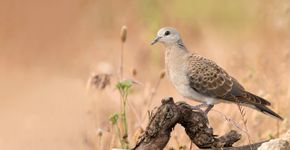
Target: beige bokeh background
{"x": 48, "y": 49}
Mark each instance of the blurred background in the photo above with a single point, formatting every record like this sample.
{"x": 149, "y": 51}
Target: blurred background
{"x": 49, "y": 49}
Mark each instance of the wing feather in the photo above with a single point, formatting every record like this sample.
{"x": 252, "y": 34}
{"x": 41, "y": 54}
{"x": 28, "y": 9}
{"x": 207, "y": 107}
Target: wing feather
{"x": 207, "y": 78}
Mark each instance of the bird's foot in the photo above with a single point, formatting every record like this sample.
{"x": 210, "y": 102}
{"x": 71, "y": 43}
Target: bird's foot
{"x": 209, "y": 107}
{"x": 204, "y": 112}
{"x": 198, "y": 107}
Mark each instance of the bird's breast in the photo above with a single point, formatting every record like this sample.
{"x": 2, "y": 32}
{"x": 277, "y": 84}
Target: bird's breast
{"x": 177, "y": 74}
{"x": 176, "y": 69}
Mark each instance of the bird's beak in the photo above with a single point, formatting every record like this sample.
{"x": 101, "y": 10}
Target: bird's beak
{"x": 155, "y": 40}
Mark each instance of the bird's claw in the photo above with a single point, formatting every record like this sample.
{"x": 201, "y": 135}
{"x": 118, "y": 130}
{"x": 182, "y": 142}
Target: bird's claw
{"x": 204, "y": 112}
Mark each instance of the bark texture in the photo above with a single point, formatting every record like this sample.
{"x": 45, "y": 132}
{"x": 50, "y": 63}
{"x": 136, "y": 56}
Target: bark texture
{"x": 163, "y": 119}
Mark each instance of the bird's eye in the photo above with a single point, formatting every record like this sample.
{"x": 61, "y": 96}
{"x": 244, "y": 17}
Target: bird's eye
{"x": 166, "y": 33}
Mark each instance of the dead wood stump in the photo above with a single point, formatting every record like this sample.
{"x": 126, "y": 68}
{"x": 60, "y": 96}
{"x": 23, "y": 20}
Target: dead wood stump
{"x": 164, "y": 119}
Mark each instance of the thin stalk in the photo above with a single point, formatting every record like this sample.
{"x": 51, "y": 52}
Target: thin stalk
{"x": 124, "y": 141}
{"x": 135, "y": 113}
{"x": 230, "y": 120}
{"x": 123, "y": 37}
{"x": 124, "y": 114}
{"x": 117, "y": 130}
{"x": 161, "y": 76}
{"x": 278, "y": 128}
{"x": 150, "y": 99}
{"x": 245, "y": 123}
{"x": 154, "y": 92}
{"x": 278, "y": 124}
{"x": 121, "y": 61}
{"x": 100, "y": 135}
{"x": 190, "y": 147}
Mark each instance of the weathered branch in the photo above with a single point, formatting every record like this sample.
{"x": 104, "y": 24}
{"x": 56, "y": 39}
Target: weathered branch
{"x": 164, "y": 118}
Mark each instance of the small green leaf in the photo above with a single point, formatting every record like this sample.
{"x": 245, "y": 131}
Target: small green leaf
{"x": 124, "y": 85}
{"x": 271, "y": 136}
{"x": 114, "y": 118}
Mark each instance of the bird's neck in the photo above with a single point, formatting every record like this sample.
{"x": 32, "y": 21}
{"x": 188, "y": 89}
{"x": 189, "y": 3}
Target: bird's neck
{"x": 175, "y": 59}
{"x": 175, "y": 54}
{"x": 179, "y": 44}
{"x": 175, "y": 49}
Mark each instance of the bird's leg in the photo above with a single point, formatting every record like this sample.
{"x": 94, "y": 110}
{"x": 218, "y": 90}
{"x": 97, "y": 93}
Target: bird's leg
{"x": 198, "y": 107}
{"x": 209, "y": 107}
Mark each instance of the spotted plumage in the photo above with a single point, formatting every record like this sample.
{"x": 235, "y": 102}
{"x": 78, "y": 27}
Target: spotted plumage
{"x": 208, "y": 78}
{"x": 201, "y": 79}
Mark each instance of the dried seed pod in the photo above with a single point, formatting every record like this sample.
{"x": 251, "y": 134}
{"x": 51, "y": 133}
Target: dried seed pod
{"x": 123, "y": 34}
{"x": 134, "y": 72}
{"x": 162, "y": 74}
{"x": 100, "y": 132}
{"x": 100, "y": 81}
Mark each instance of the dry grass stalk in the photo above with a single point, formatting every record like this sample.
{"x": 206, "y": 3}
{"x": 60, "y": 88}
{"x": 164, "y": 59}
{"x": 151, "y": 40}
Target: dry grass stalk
{"x": 123, "y": 40}
{"x": 230, "y": 120}
{"x": 153, "y": 93}
{"x": 244, "y": 120}
{"x": 161, "y": 76}
{"x": 100, "y": 134}
{"x": 278, "y": 125}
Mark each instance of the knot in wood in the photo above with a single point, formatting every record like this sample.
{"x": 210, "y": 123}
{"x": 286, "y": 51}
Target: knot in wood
{"x": 167, "y": 100}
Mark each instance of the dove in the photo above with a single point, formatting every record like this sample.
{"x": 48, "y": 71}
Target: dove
{"x": 198, "y": 78}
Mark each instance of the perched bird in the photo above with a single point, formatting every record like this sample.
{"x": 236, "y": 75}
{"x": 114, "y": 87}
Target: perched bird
{"x": 198, "y": 78}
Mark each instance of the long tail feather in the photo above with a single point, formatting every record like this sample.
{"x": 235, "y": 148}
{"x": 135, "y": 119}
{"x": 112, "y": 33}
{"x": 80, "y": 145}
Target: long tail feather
{"x": 267, "y": 111}
{"x": 256, "y": 99}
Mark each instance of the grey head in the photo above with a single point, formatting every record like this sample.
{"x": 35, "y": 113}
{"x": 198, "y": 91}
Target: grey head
{"x": 167, "y": 36}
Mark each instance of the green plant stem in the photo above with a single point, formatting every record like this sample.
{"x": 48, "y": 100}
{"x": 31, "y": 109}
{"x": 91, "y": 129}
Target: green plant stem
{"x": 117, "y": 129}
{"x": 124, "y": 138}
{"x": 124, "y": 117}
{"x": 123, "y": 87}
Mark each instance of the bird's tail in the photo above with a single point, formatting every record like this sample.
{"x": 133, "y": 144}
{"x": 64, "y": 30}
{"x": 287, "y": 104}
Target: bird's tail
{"x": 267, "y": 111}
{"x": 260, "y": 104}
{"x": 256, "y": 99}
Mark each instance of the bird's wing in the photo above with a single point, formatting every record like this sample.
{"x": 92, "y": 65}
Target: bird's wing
{"x": 207, "y": 78}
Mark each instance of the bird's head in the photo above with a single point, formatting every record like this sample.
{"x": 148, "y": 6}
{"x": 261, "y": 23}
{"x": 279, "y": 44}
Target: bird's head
{"x": 167, "y": 36}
